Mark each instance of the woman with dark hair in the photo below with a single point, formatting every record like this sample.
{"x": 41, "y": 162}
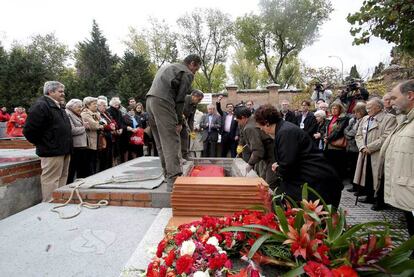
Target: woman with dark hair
{"x": 297, "y": 159}
{"x": 135, "y": 134}
{"x": 335, "y": 141}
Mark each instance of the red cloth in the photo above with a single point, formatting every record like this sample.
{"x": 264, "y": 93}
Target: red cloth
{"x": 331, "y": 124}
{"x": 4, "y": 117}
{"x": 137, "y": 138}
{"x": 207, "y": 171}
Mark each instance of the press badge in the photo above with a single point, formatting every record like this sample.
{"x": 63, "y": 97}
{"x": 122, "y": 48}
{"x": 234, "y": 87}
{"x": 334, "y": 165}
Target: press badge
{"x": 302, "y": 125}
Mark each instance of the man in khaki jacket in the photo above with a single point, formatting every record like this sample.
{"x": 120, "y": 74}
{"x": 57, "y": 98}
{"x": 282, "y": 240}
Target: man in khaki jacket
{"x": 372, "y": 132}
{"x": 397, "y": 154}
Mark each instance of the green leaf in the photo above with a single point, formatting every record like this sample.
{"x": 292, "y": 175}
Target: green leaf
{"x": 299, "y": 219}
{"x": 403, "y": 266}
{"x": 339, "y": 227}
{"x": 398, "y": 255}
{"x": 282, "y": 219}
{"x": 241, "y": 229}
{"x": 349, "y": 233}
{"x": 257, "y": 244}
{"x": 291, "y": 201}
{"x": 295, "y": 272}
{"x": 277, "y": 235}
{"x": 305, "y": 191}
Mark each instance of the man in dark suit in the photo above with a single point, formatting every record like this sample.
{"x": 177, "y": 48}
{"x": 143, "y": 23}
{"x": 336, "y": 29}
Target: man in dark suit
{"x": 287, "y": 114}
{"x": 306, "y": 120}
{"x": 229, "y": 131}
{"x": 210, "y": 124}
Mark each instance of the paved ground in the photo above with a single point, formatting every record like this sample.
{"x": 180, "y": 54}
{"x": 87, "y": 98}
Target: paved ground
{"x": 361, "y": 213}
{"x": 36, "y": 242}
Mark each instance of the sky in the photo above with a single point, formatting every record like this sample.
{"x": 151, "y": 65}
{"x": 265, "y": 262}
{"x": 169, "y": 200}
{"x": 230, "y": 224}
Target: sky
{"x": 71, "y": 22}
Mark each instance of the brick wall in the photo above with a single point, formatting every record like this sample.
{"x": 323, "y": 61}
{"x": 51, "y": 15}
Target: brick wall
{"x": 19, "y": 187}
{"x": 7, "y": 143}
{"x": 117, "y": 197}
{"x": 271, "y": 95}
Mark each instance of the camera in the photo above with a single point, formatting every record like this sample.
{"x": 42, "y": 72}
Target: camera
{"x": 319, "y": 87}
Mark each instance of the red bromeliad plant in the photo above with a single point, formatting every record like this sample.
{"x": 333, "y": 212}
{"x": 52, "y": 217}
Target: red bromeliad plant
{"x": 309, "y": 239}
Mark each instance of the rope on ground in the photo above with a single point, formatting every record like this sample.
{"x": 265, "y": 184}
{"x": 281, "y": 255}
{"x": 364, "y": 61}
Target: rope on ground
{"x": 101, "y": 203}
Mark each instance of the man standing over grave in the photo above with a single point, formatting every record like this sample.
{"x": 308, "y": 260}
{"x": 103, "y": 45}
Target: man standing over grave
{"x": 190, "y": 107}
{"x": 165, "y": 102}
{"x": 48, "y": 127}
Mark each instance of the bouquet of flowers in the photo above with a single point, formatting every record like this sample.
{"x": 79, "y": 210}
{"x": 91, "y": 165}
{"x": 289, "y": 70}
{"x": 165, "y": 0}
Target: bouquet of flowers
{"x": 308, "y": 238}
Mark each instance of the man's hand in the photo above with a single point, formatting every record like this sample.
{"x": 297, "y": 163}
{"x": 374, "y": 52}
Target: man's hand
{"x": 274, "y": 167}
{"x": 236, "y": 138}
{"x": 366, "y": 151}
{"x": 219, "y": 98}
{"x": 317, "y": 135}
{"x": 178, "y": 128}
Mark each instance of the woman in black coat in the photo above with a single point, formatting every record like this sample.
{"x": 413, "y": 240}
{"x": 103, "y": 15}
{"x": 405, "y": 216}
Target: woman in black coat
{"x": 297, "y": 159}
{"x": 335, "y": 141}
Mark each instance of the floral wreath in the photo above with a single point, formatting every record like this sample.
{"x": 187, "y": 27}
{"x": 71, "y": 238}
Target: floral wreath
{"x": 309, "y": 239}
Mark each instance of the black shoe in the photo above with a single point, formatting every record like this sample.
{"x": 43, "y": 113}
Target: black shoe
{"x": 367, "y": 200}
{"x": 360, "y": 193}
{"x": 378, "y": 207}
{"x": 352, "y": 190}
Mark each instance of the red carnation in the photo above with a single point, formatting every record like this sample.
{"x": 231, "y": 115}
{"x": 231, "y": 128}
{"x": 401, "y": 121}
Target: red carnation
{"x": 163, "y": 271}
{"x": 344, "y": 271}
{"x": 170, "y": 258}
{"x": 210, "y": 249}
{"x": 314, "y": 269}
{"x": 217, "y": 262}
{"x": 185, "y": 234}
{"x": 161, "y": 247}
{"x": 184, "y": 264}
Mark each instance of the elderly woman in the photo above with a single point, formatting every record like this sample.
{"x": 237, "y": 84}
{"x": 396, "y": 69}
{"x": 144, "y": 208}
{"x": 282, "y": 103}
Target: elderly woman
{"x": 320, "y": 116}
{"x": 297, "y": 159}
{"x": 105, "y": 155}
{"x": 350, "y": 132}
{"x": 77, "y": 163}
{"x": 335, "y": 141}
{"x": 114, "y": 111}
{"x": 91, "y": 117}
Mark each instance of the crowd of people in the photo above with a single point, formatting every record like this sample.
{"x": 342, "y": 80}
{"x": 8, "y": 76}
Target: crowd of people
{"x": 355, "y": 137}
{"x": 14, "y": 122}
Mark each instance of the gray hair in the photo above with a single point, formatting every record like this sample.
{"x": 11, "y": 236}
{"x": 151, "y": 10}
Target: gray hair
{"x": 377, "y": 101}
{"x": 320, "y": 113}
{"x": 197, "y": 93}
{"x": 114, "y": 101}
{"x": 87, "y": 100}
{"x": 407, "y": 86}
{"x": 73, "y": 103}
{"x": 102, "y": 101}
{"x": 211, "y": 106}
{"x": 51, "y": 86}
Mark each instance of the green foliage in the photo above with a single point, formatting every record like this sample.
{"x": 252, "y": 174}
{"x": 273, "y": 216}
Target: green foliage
{"x": 23, "y": 79}
{"x": 244, "y": 72}
{"x": 217, "y": 82}
{"x": 389, "y": 20}
{"x": 291, "y": 74}
{"x": 353, "y": 74}
{"x": 135, "y": 77}
{"x": 378, "y": 70}
{"x": 158, "y": 43}
{"x": 322, "y": 74}
{"x": 207, "y": 33}
{"x": 95, "y": 65}
{"x": 274, "y": 33}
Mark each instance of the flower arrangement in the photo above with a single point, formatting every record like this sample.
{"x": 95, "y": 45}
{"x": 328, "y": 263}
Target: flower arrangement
{"x": 309, "y": 239}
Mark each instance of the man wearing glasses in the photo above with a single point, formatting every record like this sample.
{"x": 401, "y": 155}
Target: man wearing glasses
{"x": 48, "y": 128}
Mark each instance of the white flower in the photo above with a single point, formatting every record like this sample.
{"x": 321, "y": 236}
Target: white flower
{"x": 193, "y": 228}
{"x": 201, "y": 274}
{"x": 213, "y": 241}
{"x": 187, "y": 248}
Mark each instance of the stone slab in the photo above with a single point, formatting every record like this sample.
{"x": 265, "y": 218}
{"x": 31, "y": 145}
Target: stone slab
{"x": 140, "y": 173}
{"x": 98, "y": 242}
{"x": 145, "y": 250}
{"x": 10, "y": 157}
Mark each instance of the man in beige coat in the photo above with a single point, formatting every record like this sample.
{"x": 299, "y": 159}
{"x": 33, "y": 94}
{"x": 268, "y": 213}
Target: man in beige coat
{"x": 397, "y": 154}
{"x": 372, "y": 132}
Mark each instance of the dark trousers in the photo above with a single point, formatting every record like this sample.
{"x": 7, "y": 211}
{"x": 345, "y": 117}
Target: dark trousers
{"x": 228, "y": 144}
{"x": 352, "y": 162}
{"x": 78, "y": 166}
{"x": 369, "y": 180}
{"x": 91, "y": 160}
{"x": 209, "y": 148}
{"x": 410, "y": 222}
